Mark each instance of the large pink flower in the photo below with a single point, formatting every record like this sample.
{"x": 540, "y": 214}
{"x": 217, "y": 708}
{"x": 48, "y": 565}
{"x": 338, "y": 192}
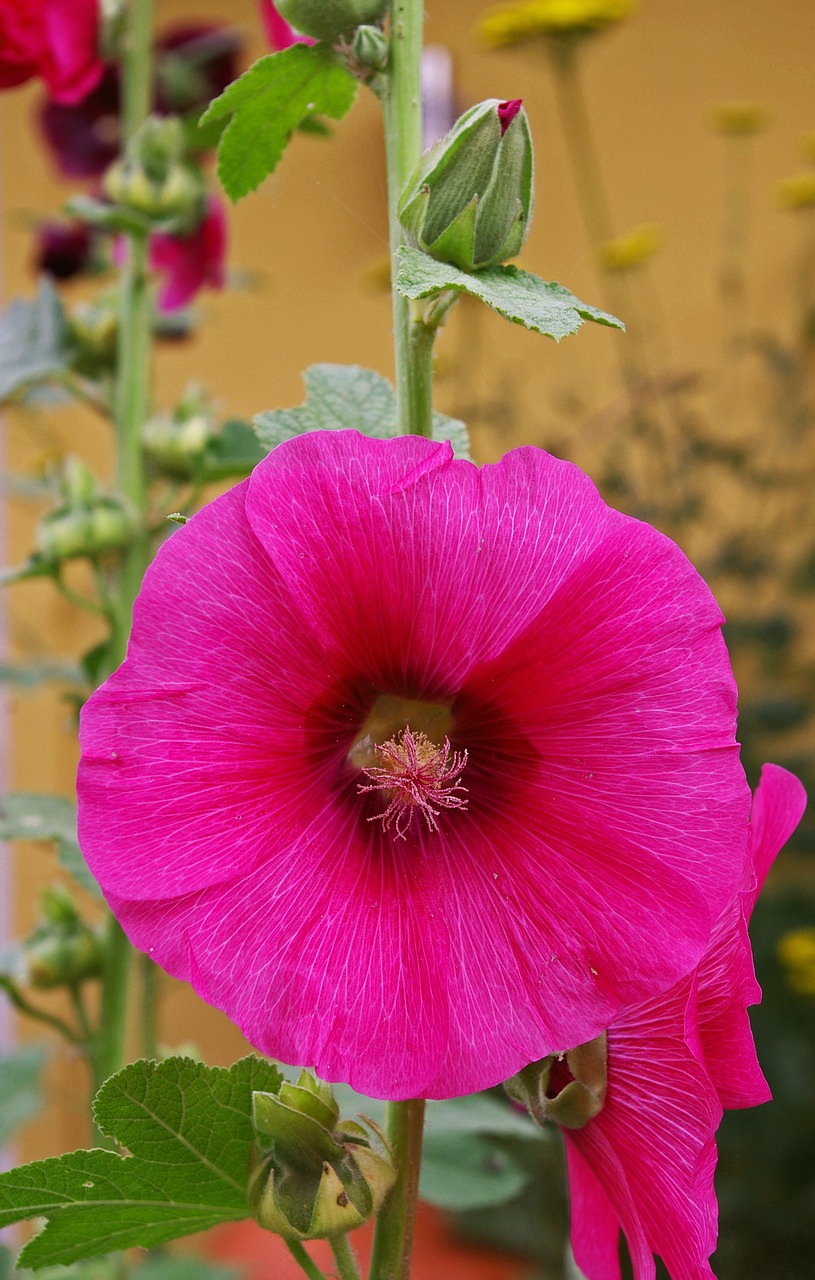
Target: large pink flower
{"x": 187, "y": 264}
{"x": 560, "y": 669}
{"x": 645, "y": 1163}
{"x": 54, "y": 39}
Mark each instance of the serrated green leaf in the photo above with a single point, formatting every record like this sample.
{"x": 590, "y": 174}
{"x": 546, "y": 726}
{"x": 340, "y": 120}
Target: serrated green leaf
{"x": 188, "y": 1131}
{"x": 341, "y": 397}
{"x": 268, "y": 103}
{"x": 34, "y": 341}
{"x": 36, "y": 817}
{"x": 19, "y": 1088}
{"x": 466, "y": 1171}
{"x": 544, "y": 306}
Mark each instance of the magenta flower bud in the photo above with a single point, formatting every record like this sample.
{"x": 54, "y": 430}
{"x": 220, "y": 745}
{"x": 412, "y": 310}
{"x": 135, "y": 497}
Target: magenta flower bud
{"x": 470, "y": 200}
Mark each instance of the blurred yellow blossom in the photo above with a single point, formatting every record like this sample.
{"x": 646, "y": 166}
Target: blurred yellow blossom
{"x": 797, "y": 192}
{"x": 632, "y": 250}
{"x": 796, "y": 950}
{"x": 527, "y": 19}
{"x": 740, "y": 117}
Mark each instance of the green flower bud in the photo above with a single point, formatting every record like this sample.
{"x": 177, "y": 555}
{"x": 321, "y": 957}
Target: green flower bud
{"x": 370, "y": 48}
{"x": 154, "y": 178}
{"x": 470, "y": 200}
{"x": 103, "y": 524}
{"x": 579, "y": 1100}
{"x": 95, "y": 329}
{"x": 176, "y": 443}
{"x": 330, "y": 19}
{"x": 61, "y": 950}
{"x": 313, "y": 1175}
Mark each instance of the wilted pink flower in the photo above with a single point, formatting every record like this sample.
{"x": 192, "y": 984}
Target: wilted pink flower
{"x": 278, "y": 31}
{"x": 645, "y": 1163}
{"x": 284, "y": 642}
{"x": 190, "y": 263}
{"x": 53, "y": 39}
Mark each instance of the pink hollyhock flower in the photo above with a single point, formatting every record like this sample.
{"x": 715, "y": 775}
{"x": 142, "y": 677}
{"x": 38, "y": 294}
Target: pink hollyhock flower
{"x": 495, "y": 636}
{"x": 190, "y": 263}
{"x": 645, "y": 1161}
{"x": 54, "y": 39}
{"x": 278, "y": 31}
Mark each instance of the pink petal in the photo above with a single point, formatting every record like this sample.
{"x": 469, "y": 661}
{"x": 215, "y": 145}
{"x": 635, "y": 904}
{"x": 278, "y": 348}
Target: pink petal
{"x": 778, "y": 807}
{"x": 651, "y": 1148}
{"x": 595, "y": 1228}
{"x": 72, "y": 66}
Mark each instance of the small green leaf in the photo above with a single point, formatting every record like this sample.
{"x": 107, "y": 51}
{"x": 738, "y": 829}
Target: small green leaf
{"x": 341, "y": 397}
{"x": 546, "y": 307}
{"x": 188, "y": 1129}
{"x": 465, "y": 1171}
{"x": 34, "y": 341}
{"x": 234, "y": 451}
{"x": 268, "y": 103}
{"x": 35, "y": 817}
{"x": 19, "y": 1088}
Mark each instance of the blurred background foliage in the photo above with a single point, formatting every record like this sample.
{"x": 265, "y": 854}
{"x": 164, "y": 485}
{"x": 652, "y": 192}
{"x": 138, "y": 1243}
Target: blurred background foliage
{"x": 676, "y": 186}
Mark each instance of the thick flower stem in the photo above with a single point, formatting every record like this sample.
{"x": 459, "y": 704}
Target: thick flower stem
{"x": 304, "y": 1260}
{"x": 393, "y": 1238}
{"x": 347, "y": 1268}
{"x": 131, "y": 397}
{"x": 402, "y": 110}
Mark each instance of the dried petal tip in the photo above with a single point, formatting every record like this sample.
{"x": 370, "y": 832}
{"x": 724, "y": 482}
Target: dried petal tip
{"x": 416, "y": 775}
{"x": 507, "y": 111}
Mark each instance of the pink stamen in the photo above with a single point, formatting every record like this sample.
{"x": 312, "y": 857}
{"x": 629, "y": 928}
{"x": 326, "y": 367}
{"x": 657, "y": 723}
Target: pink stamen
{"x": 507, "y": 111}
{"x": 416, "y": 775}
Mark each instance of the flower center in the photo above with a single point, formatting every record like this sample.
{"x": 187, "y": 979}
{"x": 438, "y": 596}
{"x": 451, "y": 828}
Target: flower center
{"x": 415, "y": 776}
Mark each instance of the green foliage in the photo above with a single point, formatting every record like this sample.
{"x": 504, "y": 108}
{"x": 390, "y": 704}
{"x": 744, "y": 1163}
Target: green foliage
{"x": 519, "y": 296}
{"x": 234, "y": 451}
{"x": 19, "y": 1088}
{"x": 268, "y": 103}
{"x": 469, "y": 1159}
{"x": 188, "y": 1129}
{"x": 34, "y": 341}
{"x": 341, "y": 397}
{"x": 37, "y": 817}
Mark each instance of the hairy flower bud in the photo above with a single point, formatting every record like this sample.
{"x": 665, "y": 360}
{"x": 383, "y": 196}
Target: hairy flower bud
{"x": 470, "y": 200}
{"x": 330, "y": 19}
{"x": 370, "y": 48}
{"x": 313, "y": 1174}
{"x": 176, "y": 443}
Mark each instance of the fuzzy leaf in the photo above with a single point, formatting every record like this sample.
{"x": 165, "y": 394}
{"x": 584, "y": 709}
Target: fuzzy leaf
{"x": 544, "y": 306}
{"x": 340, "y": 396}
{"x": 233, "y": 452}
{"x": 19, "y": 1088}
{"x": 188, "y": 1129}
{"x": 34, "y": 817}
{"x": 34, "y": 341}
{"x": 268, "y": 103}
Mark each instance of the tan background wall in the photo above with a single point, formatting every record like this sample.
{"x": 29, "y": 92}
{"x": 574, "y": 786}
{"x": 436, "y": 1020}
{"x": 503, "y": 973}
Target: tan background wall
{"x": 310, "y": 239}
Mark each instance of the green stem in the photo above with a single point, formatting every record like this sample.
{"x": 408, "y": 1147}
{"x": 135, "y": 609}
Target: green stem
{"x": 304, "y": 1260}
{"x": 131, "y": 401}
{"x": 149, "y": 1001}
{"x": 347, "y": 1268}
{"x": 393, "y": 1237}
{"x": 22, "y": 1005}
{"x": 402, "y": 111}
{"x": 78, "y": 1003}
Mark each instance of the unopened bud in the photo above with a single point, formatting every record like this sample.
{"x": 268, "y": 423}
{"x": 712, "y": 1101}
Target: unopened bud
{"x": 330, "y": 19}
{"x": 154, "y": 178}
{"x": 370, "y": 48}
{"x": 61, "y": 950}
{"x": 470, "y": 200}
{"x": 313, "y": 1175}
{"x": 569, "y": 1088}
{"x": 176, "y": 443}
{"x": 100, "y": 525}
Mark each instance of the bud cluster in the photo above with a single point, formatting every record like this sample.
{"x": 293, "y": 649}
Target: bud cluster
{"x": 313, "y": 1174}
{"x": 176, "y": 442}
{"x": 86, "y": 523}
{"x": 61, "y": 950}
{"x": 155, "y": 179}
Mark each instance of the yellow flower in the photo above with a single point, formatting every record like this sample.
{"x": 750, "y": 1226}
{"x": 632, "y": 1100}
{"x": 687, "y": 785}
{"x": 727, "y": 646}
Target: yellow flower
{"x": 796, "y": 950}
{"x": 797, "y": 192}
{"x": 632, "y": 250}
{"x": 740, "y": 117}
{"x": 527, "y": 19}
